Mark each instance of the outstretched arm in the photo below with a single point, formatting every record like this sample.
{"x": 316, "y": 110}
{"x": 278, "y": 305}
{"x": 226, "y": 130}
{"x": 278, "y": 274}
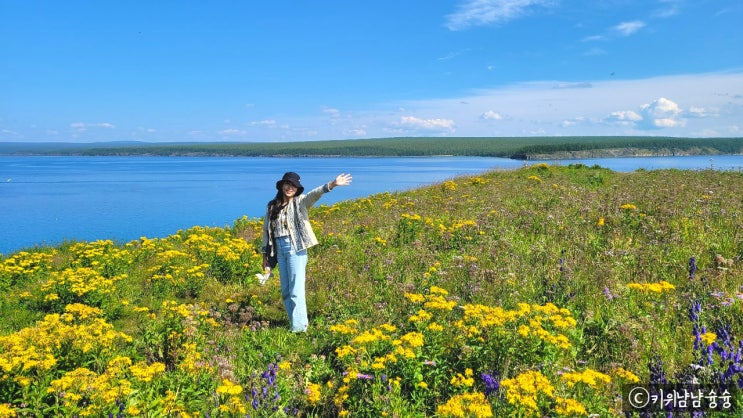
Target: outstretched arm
{"x": 308, "y": 199}
{"x": 341, "y": 180}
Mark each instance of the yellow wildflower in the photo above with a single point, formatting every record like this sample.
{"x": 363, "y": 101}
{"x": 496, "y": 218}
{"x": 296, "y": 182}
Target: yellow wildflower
{"x": 466, "y": 405}
{"x": 313, "y": 393}
{"x": 388, "y": 327}
{"x": 344, "y": 351}
{"x": 415, "y": 297}
{"x": 525, "y": 388}
{"x": 708, "y": 338}
{"x": 435, "y": 290}
{"x": 413, "y": 339}
{"x": 145, "y": 372}
{"x": 535, "y": 178}
{"x": 7, "y": 411}
{"x": 435, "y": 327}
{"x": 569, "y": 407}
{"x": 659, "y": 287}
{"x": 628, "y": 207}
{"x": 369, "y": 337}
{"x": 132, "y": 410}
{"x": 449, "y": 185}
{"x": 590, "y": 377}
{"x": 229, "y": 388}
{"x": 347, "y": 328}
{"x": 465, "y": 379}
{"x": 421, "y": 316}
{"x": 440, "y": 303}
{"x": 626, "y": 375}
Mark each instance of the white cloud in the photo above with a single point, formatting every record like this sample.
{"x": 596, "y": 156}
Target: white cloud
{"x": 661, "y": 113}
{"x": 334, "y": 113}
{"x": 669, "y": 8}
{"x": 9, "y": 133}
{"x": 623, "y": 118}
{"x": 629, "y": 28}
{"x": 233, "y": 132}
{"x": 453, "y": 55}
{"x": 266, "y": 122}
{"x": 701, "y": 112}
{"x": 594, "y": 38}
{"x": 580, "y": 85}
{"x": 80, "y": 126}
{"x": 430, "y": 125}
{"x": 357, "y": 132}
{"x": 609, "y": 107}
{"x": 668, "y": 123}
{"x": 491, "y": 115}
{"x": 485, "y": 12}
{"x": 567, "y": 123}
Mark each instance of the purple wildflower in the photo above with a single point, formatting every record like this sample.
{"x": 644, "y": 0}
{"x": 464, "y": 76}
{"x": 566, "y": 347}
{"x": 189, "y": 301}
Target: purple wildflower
{"x": 694, "y": 311}
{"x": 491, "y": 382}
{"x": 657, "y": 372}
{"x": 718, "y": 294}
{"x": 697, "y": 338}
{"x": 710, "y": 350}
{"x": 723, "y": 335}
{"x": 607, "y": 293}
{"x": 692, "y": 268}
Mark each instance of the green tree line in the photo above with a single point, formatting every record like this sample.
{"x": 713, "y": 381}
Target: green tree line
{"x": 505, "y": 147}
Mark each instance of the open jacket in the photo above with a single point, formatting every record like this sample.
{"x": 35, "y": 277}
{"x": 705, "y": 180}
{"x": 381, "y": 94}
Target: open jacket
{"x": 300, "y": 230}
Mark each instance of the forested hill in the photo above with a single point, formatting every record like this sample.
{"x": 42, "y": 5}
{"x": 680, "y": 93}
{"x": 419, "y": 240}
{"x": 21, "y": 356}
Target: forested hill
{"x": 506, "y": 147}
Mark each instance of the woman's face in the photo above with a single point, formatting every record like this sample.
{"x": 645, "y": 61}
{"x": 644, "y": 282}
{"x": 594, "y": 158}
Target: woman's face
{"x": 289, "y": 190}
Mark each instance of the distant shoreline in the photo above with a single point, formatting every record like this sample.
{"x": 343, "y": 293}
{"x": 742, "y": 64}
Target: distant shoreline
{"x": 517, "y": 148}
{"x": 626, "y": 152}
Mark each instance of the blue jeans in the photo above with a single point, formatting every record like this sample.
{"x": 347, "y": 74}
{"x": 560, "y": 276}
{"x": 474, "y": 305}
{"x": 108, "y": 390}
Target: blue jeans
{"x": 292, "y": 266}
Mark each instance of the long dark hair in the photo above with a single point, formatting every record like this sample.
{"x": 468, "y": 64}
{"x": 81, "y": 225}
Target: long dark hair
{"x": 276, "y": 204}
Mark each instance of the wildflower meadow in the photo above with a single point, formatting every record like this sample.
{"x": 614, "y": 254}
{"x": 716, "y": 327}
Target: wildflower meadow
{"x": 537, "y": 292}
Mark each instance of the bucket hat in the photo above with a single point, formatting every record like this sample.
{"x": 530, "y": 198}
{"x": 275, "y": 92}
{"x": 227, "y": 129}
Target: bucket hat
{"x": 291, "y": 178}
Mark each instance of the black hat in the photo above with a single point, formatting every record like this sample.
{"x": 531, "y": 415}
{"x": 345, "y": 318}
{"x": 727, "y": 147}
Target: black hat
{"x": 291, "y": 178}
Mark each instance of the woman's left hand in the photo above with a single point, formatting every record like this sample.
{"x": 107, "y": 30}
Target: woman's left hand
{"x": 342, "y": 180}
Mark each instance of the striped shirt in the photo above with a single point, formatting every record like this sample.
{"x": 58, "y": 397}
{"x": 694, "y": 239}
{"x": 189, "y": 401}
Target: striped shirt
{"x": 297, "y": 221}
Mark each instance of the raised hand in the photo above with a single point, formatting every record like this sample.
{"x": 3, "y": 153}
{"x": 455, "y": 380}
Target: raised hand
{"x": 342, "y": 180}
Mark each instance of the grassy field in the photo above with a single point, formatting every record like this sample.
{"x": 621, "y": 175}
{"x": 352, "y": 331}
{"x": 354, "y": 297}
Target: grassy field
{"x": 506, "y": 147}
{"x": 542, "y": 291}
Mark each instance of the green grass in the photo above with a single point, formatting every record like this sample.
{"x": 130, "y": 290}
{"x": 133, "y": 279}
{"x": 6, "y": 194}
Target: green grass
{"x": 559, "y": 255}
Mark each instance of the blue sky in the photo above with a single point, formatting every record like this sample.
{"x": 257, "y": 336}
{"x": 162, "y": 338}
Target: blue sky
{"x": 255, "y": 71}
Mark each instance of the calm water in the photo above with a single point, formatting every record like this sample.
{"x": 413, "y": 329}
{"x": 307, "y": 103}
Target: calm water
{"x": 46, "y": 200}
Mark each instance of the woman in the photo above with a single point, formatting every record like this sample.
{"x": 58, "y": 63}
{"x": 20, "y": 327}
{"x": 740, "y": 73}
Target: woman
{"x": 287, "y": 224}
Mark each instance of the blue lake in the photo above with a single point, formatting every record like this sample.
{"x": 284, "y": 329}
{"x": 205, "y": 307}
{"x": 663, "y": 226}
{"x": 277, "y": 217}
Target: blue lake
{"x": 46, "y": 200}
